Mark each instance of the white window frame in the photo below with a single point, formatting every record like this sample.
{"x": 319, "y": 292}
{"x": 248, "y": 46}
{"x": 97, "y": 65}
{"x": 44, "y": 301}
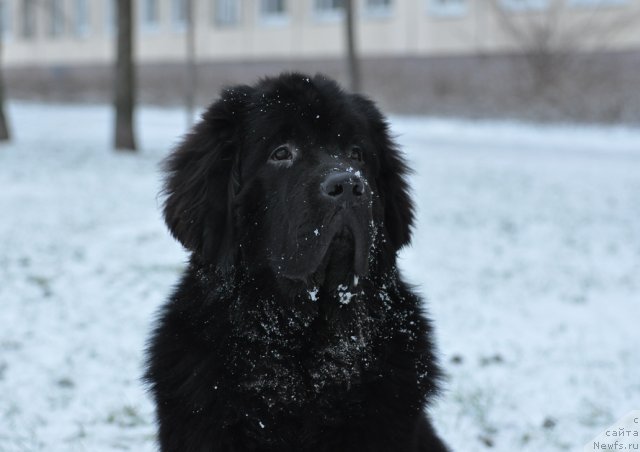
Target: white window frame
{"x": 524, "y": 5}
{"x": 226, "y": 13}
{"x": 327, "y": 11}
{"x": 457, "y": 9}
{"x": 371, "y": 9}
{"x": 81, "y": 17}
{"x": 273, "y": 18}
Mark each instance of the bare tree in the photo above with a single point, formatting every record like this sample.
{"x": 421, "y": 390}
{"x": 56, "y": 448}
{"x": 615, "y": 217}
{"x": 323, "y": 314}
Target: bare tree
{"x": 352, "y": 57}
{"x": 540, "y": 38}
{"x": 125, "y": 79}
{"x": 191, "y": 70}
{"x": 564, "y": 71}
{"x": 5, "y": 135}
{"x": 551, "y": 39}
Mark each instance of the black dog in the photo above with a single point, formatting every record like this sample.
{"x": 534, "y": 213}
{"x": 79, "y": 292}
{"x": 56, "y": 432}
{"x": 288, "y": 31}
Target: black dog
{"x": 291, "y": 329}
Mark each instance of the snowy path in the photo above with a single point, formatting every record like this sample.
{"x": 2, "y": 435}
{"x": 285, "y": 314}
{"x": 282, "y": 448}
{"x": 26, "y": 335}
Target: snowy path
{"x": 527, "y": 247}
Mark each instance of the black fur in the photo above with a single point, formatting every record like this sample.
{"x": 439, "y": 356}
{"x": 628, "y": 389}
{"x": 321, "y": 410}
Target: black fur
{"x": 291, "y": 329}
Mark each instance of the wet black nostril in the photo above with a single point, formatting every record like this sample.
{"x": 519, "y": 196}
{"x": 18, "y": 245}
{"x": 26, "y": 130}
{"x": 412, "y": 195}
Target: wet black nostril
{"x": 343, "y": 186}
{"x": 336, "y": 190}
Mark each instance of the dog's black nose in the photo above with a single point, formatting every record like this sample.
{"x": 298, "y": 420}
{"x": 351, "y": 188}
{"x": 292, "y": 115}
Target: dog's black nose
{"x": 343, "y": 186}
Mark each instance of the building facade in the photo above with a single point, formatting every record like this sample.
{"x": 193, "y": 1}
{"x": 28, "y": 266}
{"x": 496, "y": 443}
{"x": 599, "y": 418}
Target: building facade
{"x": 54, "y": 45}
{"x": 42, "y": 32}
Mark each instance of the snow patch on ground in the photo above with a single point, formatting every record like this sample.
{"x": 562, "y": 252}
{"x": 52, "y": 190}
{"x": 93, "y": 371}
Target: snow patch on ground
{"x": 527, "y": 248}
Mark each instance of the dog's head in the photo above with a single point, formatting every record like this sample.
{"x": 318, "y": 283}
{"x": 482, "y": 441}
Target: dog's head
{"x": 291, "y": 174}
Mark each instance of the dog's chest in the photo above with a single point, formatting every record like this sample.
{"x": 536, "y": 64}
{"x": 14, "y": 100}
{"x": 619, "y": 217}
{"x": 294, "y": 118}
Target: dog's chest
{"x": 295, "y": 356}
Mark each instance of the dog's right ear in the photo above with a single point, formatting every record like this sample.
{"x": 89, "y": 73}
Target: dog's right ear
{"x": 202, "y": 179}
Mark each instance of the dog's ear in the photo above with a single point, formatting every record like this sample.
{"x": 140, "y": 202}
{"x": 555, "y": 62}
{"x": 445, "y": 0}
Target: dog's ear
{"x": 202, "y": 178}
{"x": 399, "y": 211}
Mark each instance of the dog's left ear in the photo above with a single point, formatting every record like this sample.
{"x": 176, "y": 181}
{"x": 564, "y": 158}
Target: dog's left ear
{"x": 202, "y": 177}
{"x": 391, "y": 179}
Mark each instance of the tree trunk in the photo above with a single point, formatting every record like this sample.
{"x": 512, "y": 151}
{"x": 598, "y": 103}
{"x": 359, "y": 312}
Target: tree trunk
{"x": 191, "y": 78}
{"x": 125, "y": 79}
{"x": 352, "y": 57}
{"x": 5, "y": 135}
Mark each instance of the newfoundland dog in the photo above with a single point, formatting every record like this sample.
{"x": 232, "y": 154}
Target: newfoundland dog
{"x": 291, "y": 329}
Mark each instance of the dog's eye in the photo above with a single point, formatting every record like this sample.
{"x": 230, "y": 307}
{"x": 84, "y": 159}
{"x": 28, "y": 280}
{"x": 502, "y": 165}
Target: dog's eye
{"x": 281, "y": 153}
{"x": 355, "y": 153}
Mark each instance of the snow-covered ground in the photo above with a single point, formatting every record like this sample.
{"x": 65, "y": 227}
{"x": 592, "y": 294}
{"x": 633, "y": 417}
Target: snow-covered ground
{"x": 527, "y": 249}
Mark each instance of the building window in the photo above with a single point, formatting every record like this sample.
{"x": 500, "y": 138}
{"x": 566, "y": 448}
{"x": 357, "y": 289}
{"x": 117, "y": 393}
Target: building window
{"x": 55, "y": 14}
{"x": 150, "y": 14}
{"x": 447, "y": 7}
{"x": 273, "y": 12}
{"x": 28, "y": 19}
{"x": 179, "y": 13}
{"x": 226, "y": 12}
{"x": 328, "y": 9}
{"x": 5, "y": 19}
{"x": 524, "y": 5}
{"x": 598, "y": 2}
{"x": 379, "y": 8}
{"x": 81, "y": 16}
{"x": 111, "y": 15}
